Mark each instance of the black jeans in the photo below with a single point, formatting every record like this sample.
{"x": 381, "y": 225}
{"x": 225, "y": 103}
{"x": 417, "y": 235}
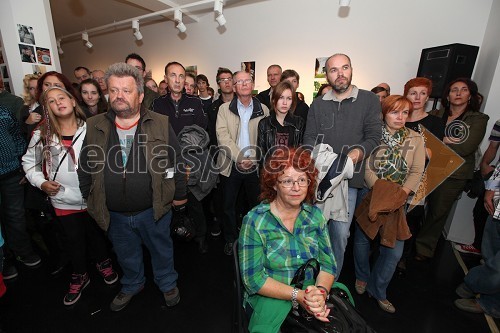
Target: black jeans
{"x": 81, "y": 231}
{"x": 232, "y": 185}
{"x": 195, "y": 211}
{"x": 13, "y": 218}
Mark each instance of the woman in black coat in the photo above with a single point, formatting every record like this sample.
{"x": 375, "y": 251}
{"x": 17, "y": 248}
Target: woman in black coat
{"x": 281, "y": 127}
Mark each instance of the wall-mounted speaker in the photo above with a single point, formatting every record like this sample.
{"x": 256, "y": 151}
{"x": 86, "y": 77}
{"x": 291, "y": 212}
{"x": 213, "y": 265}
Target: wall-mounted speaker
{"x": 443, "y": 64}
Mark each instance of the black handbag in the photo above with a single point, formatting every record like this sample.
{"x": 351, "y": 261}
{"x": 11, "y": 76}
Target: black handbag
{"x": 344, "y": 318}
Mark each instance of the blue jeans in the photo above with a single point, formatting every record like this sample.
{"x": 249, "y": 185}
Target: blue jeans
{"x": 127, "y": 233}
{"x": 339, "y": 231}
{"x": 381, "y": 274}
{"x": 485, "y": 279}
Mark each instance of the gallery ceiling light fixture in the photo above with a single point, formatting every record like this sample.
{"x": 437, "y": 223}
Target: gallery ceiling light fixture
{"x": 59, "y": 48}
{"x": 344, "y": 3}
{"x": 178, "y": 19}
{"x": 85, "y": 38}
{"x": 137, "y": 32}
{"x": 218, "y": 4}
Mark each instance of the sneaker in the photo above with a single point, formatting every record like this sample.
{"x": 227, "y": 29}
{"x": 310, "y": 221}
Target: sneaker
{"x": 120, "y": 301}
{"x": 470, "y": 249}
{"x": 172, "y": 297}
{"x": 9, "y": 272}
{"x": 107, "y": 272}
{"x": 464, "y": 292}
{"x": 228, "y": 249}
{"x": 30, "y": 260}
{"x": 469, "y": 305}
{"x": 76, "y": 286}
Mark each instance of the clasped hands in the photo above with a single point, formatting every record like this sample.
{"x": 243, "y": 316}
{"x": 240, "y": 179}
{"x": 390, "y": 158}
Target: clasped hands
{"x": 314, "y": 302}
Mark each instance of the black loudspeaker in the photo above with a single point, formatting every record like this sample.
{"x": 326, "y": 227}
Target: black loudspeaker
{"x": 443, "y": 64}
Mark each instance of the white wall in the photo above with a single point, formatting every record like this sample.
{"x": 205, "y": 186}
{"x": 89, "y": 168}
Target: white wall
{"x": 384, "y": 39}
{"x": 39, "y": 17}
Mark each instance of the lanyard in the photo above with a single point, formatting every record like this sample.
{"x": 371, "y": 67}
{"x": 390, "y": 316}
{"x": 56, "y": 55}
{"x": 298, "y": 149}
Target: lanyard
{"x": 67, "y": 150}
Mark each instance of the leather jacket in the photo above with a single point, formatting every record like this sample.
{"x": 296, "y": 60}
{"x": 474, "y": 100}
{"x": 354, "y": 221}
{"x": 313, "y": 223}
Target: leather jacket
{"x": 266, "y": 138}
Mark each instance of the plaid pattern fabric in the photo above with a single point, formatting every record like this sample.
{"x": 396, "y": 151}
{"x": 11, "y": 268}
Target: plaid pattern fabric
{"x": 493, "y": 184}
{"x": 268, "y": 250}
{"x": 12, "y": 142}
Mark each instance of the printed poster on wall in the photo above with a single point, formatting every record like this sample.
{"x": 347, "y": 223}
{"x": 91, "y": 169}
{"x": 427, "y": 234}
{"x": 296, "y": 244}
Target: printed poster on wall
{"x": 192, "y": 69}
{"x": 43, "y": 56}
{"x": 27, "y": 53}
{"x": 319, "y": 74}
{"x": 249, "y": 67}
{"x": 26, "y": 34}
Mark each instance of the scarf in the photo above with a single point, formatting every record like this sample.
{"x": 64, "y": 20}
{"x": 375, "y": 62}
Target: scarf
{"x": 393, "y": 166}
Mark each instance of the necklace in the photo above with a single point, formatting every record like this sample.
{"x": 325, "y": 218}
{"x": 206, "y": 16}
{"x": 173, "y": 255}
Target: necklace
{"x": 127, "y": 128}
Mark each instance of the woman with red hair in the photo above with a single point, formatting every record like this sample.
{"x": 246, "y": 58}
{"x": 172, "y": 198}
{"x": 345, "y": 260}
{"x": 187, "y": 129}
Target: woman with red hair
{"x": 398, "y": 165}
{"x": 281, "y": 234}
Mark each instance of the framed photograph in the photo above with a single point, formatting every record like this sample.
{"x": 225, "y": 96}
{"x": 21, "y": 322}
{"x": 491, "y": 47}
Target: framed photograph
{"x": 27, "y": 53}
{"x": 26, "y": 34}
{"x": 5, "y": 72}
{"x": 43, "y": 56}
{"x": 6, "y": 86}
{"x": 192, "y": 69}
{"x": 39, "y": 69}
{"x": 319, "y": 67}
{"x": 249, "y": 67}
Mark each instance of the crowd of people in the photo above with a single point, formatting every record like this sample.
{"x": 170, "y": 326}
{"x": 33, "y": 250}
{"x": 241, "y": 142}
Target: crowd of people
{"x": 117, "y": 155}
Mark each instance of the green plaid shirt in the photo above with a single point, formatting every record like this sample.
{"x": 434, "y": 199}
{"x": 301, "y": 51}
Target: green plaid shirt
{"x": 268, "y": 250}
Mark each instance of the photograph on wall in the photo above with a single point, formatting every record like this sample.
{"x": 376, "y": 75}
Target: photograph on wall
{"x": 6, "y": 86}
{"x": 319, "y": 67}
{"x": 27, "y": 53}
{"x": 26, "y": 34}
{"x": 1, "y": 58}
{"x": 39, "y": 69}
{"x": 317, "y": 86}
{"x": 249, "y": 67}
{"x": 5, "y": 72}
{"x": 192, "y": 69}
{"x": 43, "y": 56}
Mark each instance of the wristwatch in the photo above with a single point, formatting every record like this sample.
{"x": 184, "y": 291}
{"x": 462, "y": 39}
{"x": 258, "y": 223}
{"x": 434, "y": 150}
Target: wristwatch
{"x": 295, "y": 304}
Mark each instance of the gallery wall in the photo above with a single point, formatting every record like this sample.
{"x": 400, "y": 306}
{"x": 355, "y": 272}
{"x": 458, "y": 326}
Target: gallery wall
{"x": 383, "y": 38}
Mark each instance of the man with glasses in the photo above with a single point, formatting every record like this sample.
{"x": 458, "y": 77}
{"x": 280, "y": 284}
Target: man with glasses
{"x": 273, "y": 78}
{"x": 136, "y": 60}
{"x": 236, "y": 128}
{"x": 348, "y": 119}
{"x": 98, "y": 75}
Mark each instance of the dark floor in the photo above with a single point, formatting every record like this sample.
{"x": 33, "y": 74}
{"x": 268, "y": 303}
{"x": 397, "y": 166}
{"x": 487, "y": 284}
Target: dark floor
{"x": 33, "y": 303}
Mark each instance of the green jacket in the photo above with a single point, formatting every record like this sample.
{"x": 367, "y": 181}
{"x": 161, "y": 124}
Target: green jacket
{"x": 156, "y": 129}
{"x": 149, "y": 97}
{"x": 476, "y": 128}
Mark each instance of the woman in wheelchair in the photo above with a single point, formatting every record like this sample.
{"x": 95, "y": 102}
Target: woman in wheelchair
{"x": 278, "y": 236}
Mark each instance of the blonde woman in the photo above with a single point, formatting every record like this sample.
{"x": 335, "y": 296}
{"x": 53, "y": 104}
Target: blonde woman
{"x": 50, "y": 164}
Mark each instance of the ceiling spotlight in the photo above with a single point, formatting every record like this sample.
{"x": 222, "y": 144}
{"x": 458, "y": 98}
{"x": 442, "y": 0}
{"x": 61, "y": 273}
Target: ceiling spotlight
{"x": 218, "y": 6}
{"x": 85, "y": 36}
{"x": 178, "y": 19}
{"x": 135, "y": 27}
{"x": 59, "y": 49}
{"x": 181, "y": 27}
{"x": 89, "y": 45}
{"x": 344, "y": 3}
{"x": 135, "y": 24}
{"x": 138, "y": 35}
{"x": 221, "y": 20}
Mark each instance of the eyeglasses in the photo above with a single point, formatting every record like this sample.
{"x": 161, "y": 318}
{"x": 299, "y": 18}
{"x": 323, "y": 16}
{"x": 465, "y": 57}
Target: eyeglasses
{"x": 226, "y": 79}
{"x": 289, "y": 182}
{"x": 139, "y": 68}
{"x": 240, "y": 82}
